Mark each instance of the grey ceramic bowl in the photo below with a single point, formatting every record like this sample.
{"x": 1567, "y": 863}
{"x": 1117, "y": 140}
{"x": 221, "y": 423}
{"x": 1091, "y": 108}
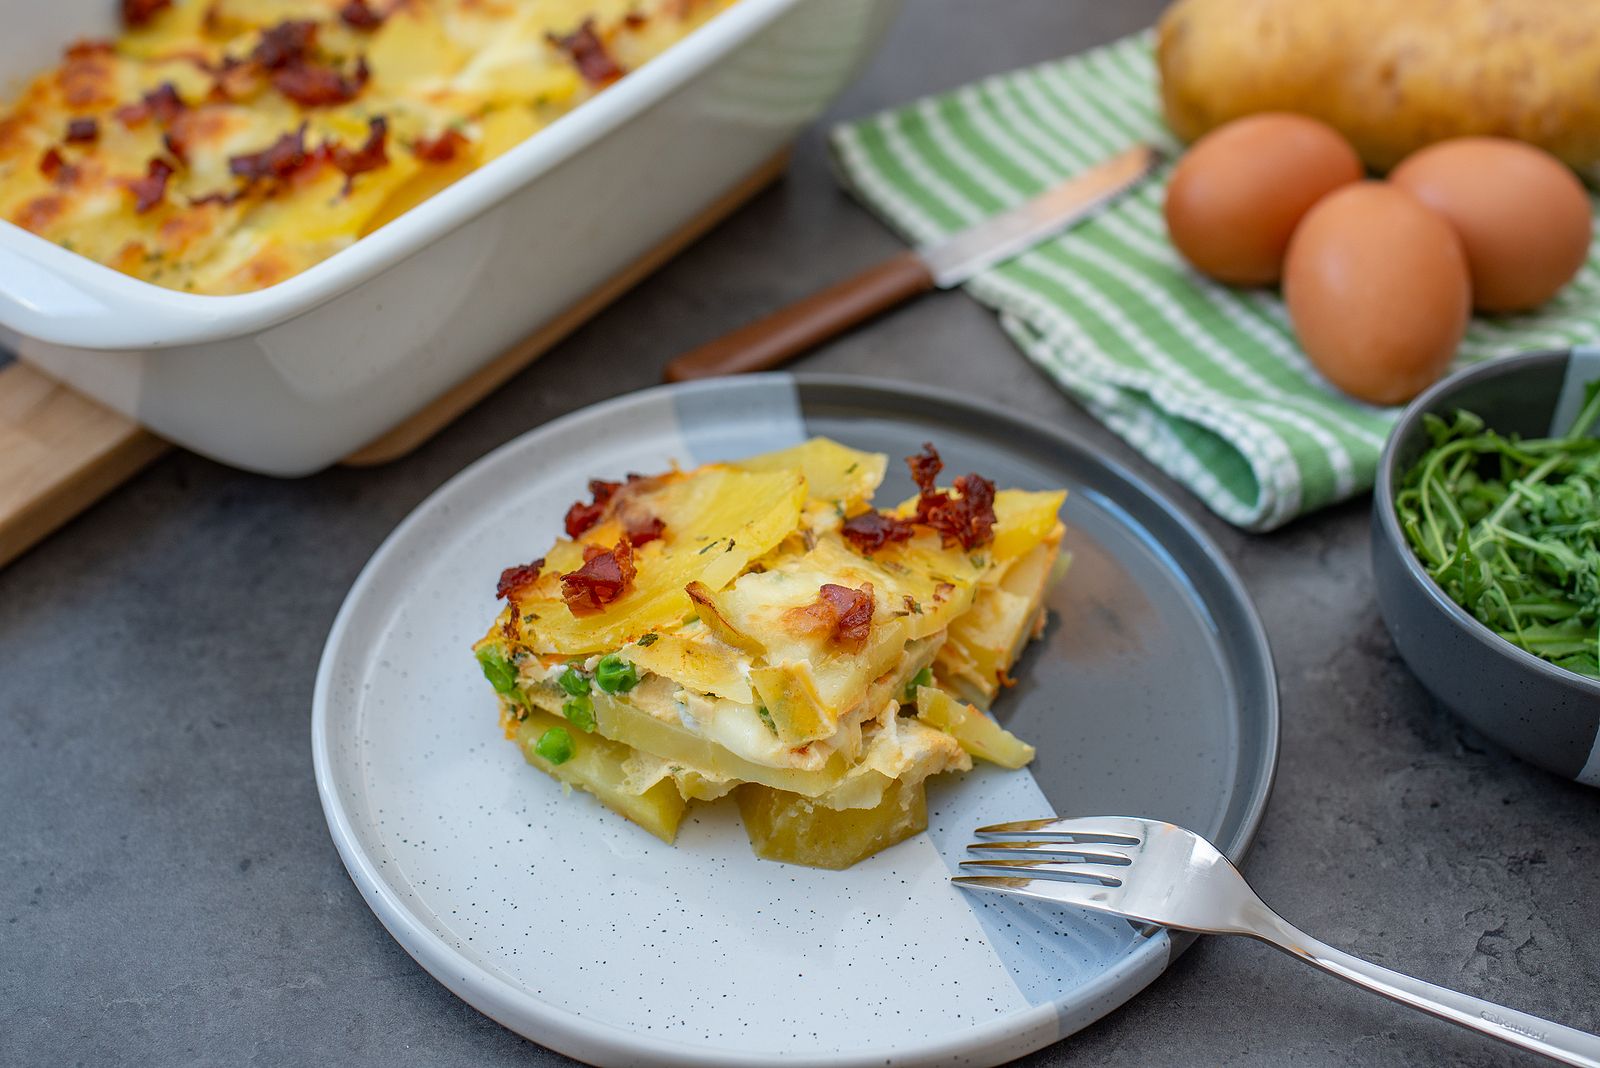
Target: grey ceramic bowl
{"x": 1541, "y": 712}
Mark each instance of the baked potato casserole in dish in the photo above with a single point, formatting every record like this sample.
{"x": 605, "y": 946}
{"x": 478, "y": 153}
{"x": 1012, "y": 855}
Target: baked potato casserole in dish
{"x": 221, "y": 146}
{"x": 758, "y": 628}
{"x": 534, "y": 189}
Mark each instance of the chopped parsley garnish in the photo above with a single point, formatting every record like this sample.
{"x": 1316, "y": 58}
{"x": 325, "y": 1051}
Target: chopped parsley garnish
{"x": 921, "y": 678}
{"x": 766, "y": 717}
{"x": 574, "y": 682}
{"x": 579, "y": 712}
{"x": 1507, "y": 527}
{"x": 615, "y": 675}
{"x": 555, "y": 745}
{"x": 648, "y": 640}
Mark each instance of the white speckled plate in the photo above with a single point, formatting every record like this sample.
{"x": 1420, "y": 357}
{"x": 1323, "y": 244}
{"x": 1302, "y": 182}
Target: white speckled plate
{"x": 1152, "y": 693}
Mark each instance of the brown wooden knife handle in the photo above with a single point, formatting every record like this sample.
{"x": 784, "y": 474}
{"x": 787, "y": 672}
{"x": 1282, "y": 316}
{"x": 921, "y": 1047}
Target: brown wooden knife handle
{"x": 785, "y": 334}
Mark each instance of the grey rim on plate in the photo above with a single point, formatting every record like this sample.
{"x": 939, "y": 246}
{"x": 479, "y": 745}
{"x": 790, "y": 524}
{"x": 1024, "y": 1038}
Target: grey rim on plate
{"x": 1152, "y": 691}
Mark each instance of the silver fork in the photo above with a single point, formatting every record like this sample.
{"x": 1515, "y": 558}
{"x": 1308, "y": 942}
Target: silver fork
{"x": 1154, "y": 872}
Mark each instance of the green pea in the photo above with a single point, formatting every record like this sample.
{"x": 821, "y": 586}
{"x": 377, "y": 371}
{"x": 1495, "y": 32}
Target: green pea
{"x": 555, "y": 745}
{"x": 574, "y": 682}
{"x": 579, "y": 712}
{"x": 497, "y": 669}
{"x": 921, "y": 678}
{"x": 615, "y": 675}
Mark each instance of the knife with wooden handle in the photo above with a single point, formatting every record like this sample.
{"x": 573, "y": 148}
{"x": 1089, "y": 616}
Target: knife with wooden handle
{"x": 785, "y": 334}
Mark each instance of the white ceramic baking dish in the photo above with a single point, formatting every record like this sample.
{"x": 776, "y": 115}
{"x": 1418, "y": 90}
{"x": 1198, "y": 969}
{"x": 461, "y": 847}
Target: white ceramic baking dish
{"x": 289, "y": 379}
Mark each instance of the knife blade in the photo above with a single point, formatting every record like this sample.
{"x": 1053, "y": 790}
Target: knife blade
{"x": 791, "y": 331}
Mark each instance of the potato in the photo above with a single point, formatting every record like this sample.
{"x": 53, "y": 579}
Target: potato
{"x": 974, "y": 730}
{"x": 797, "y": 830}
{"x": 596, "y": 767}
{"x": 1390, "y": 77}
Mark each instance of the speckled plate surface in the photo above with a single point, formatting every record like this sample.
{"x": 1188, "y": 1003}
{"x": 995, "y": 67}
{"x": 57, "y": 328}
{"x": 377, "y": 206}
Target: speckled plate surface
{"x": 1151, "y": 693}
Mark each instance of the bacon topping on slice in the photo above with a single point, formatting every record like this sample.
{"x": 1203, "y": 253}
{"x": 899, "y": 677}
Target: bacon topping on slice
{"x": 441, "y": 149}
{"x": 871, "y": 531}
{"x": 966, "y": 520}
{"x": 588, "y": 53}
{"x": 55, "y": 167}
{"x": 605, "y": 575}
{"x": 136, "y": 13}
{"x": 82, "y": 132}
{"x": 278, "y": 160}
{"x": 314, "y": 87}
{"x": 161, "y": 103}
{"x": 514, "y": 580}
{"x": 358, "y": 15}
{"x": 839, "y": 614}
{"x": 369, "y": 157}
{"x": 285, "y": 45}
{"x": 580, "y": 517}
{"x": 152, "y": 188}
{"x": 642, "y": 527}
{"x": 925, "y": 467}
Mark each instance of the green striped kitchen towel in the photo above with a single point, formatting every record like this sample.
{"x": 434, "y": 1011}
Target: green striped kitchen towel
{"x": 1204, "y": 380}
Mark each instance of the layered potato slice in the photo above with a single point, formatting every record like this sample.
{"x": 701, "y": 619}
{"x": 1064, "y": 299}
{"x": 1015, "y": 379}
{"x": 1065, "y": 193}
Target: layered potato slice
{"x": 757, "y": 629}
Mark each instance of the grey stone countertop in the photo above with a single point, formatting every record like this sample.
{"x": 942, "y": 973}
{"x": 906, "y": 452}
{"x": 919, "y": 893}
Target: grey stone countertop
{"x": 168, "y": 890}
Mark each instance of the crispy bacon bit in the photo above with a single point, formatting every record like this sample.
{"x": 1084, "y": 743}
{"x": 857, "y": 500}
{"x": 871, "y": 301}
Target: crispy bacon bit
{"x": 161, "y": 103}
{"x": 369, "y": 157}
{"x": 220, "y": 198}
{"x": 441, "y": 149}
{"x": 839, "y": 614}
{"x": 871, "y": 531}
{"x": 55, "y": 167}
{"x": 925, "y": 467}
{"x": 136, "y": 13}
{"x": 514, "y": 580}
{"x": 358, "y": 15}
{"x": 285, "y": 45}
{"x": 967, "y": 520}
{"x": 314, "y": 87}
{"x": 82, "y": 132}
{"x": 605, "y": 575}
{"x": 588, "y": 54}
{"x": 642, "y": 528}
{"x": 279, "y": 160}
{"x": 152, "y": 188}
{"x": 580, "y": 517}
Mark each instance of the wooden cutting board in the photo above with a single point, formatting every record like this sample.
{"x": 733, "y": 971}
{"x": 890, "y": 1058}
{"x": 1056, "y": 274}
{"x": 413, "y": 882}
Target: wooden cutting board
{"x": 60, "y": 451}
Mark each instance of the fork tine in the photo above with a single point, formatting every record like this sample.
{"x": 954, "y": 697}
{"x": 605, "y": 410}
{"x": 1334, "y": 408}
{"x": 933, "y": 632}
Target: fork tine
{"x": 1121, "y": 830}
{"x": 1102, "y": 853}
{"x": 1050, "y": 869}
{"x": 1056, "y": 891}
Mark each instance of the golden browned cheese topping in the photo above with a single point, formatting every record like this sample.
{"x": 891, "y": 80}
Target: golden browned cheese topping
{"x": 222, "y": 146}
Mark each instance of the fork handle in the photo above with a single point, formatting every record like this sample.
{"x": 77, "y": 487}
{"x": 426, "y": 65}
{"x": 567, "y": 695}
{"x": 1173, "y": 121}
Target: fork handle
{"x": 1556, "y": 1041}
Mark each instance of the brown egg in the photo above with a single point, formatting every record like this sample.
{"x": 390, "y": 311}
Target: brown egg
{"x": 1522, "y": 216}
{"x": 1378, "y": 291}
{"x": 1237, "y": 194}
